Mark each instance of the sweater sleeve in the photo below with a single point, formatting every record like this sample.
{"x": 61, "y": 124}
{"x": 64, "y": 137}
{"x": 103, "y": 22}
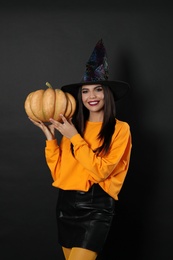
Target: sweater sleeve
{"x": 53, "y": 158}
{"x": 101, "y": 167}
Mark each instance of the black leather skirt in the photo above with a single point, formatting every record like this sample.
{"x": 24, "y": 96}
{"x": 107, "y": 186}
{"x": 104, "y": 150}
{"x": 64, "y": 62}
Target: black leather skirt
{"x": 84, "y": 218}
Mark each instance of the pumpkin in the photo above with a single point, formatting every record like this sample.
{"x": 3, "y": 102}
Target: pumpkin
{"x": 41, "y": 105}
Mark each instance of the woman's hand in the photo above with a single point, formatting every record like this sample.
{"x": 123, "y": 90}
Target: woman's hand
{"x": 66, "y": 128}
{"x": 49, "y": 130}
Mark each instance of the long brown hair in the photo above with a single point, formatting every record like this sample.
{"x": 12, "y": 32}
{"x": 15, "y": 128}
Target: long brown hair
{"x": 108, "y": 126}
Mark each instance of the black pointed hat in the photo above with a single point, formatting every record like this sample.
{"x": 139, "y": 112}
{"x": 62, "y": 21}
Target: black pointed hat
{"x": 97, "y": 72}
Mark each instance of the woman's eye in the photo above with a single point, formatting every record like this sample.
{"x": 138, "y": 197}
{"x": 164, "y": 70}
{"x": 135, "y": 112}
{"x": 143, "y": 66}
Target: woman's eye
{"x": 99, "y": 89}
{"x": 84, "y": 91}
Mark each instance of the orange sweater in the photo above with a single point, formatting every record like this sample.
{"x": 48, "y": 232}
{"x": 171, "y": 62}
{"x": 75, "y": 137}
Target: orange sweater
{"x": 85, "y": 168}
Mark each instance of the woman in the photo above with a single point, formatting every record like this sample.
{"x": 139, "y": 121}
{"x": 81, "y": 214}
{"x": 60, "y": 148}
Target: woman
{"x": 90, "y": 163}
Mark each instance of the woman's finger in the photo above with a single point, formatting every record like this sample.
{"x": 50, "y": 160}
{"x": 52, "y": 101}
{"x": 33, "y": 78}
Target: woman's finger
{"x": 63, "y": 118}
{"x": 70, "y": 121}
{"x": 35, "y": 122}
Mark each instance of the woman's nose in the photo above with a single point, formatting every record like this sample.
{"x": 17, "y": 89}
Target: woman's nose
{"x": 92, "y": 94}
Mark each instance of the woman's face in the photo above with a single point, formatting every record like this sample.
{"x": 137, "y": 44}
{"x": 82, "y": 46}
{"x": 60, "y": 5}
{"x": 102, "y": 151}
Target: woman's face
{"x": 93, "y": 97}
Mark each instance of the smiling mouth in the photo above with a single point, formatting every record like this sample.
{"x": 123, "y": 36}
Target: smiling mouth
{"x": 93, "y": 103}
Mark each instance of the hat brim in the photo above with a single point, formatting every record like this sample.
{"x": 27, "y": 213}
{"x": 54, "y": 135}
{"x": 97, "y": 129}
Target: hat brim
{"x": 119, "y": 88}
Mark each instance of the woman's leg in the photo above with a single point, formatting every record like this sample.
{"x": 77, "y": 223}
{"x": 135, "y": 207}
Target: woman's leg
{"x": 66, "y": 252}
{"x": 81, "y": 254}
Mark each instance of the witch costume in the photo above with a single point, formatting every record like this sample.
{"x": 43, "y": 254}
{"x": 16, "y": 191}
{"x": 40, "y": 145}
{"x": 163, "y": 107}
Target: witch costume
{"x": 88, "y": 183}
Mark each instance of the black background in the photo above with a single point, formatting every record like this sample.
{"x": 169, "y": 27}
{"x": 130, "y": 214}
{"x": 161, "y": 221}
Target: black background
{"x": 51, "y": 41}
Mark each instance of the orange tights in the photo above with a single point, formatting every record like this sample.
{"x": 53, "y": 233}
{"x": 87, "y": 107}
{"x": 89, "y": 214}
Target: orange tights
{"x": 77, "y": 253}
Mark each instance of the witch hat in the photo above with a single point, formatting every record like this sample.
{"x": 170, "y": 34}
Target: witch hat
{"x": 97, "y": 72}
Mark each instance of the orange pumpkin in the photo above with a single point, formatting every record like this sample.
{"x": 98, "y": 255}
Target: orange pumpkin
{"x": 41, "y": 105}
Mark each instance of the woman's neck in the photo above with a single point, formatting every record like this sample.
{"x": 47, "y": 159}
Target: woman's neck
{"x": 95, "y": 117}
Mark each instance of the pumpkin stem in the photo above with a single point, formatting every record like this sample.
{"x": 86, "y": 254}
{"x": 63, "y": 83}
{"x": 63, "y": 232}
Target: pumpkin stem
{"x": 48, "y": 85}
